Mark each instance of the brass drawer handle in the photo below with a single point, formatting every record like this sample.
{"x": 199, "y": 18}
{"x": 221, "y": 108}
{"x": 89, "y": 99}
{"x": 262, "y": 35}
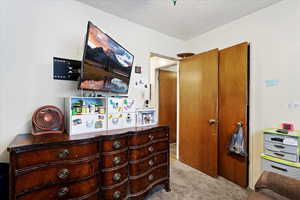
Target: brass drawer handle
{"x": 117, "y": 195}
{"x": 117, "y": 160}
{"x": 63, "y": 173}
{"x": 117, "y": 144}
{"x": 117, "y": 177}
{"x": 151, "y": 137}
{"x": 64, "y": 153}
{"x": 151, "y": 149}
{"x": 150, "y": 177}
{"x": 151, "y": 163}
{"x": 279, "y": 168}
{"x": 63, "y": 191}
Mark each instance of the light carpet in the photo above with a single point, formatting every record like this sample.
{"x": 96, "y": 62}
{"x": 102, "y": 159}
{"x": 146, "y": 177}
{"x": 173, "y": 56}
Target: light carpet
{"x": 190, "y": 184}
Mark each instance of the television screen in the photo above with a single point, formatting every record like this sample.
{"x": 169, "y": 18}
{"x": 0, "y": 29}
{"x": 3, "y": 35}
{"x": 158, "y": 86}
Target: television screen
{"x": 106, "y": 64}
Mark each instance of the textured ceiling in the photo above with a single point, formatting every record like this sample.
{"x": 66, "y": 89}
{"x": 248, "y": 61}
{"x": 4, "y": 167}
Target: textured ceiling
{"x": 188, "y": 19}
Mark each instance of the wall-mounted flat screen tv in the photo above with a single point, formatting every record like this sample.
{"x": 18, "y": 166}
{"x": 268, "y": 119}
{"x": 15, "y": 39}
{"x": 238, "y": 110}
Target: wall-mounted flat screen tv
{"x": 106, "y": 65}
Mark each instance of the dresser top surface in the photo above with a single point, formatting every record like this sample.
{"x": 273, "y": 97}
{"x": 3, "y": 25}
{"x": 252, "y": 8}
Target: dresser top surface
{"x": 25, "y": 140}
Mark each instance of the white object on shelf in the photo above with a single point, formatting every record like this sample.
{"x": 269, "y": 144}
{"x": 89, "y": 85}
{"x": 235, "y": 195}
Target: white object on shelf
{"x": 146, "y": 117}
{"x": 115, "y": 121}
{"x": 129, "y": 120}
{"x": 121, "y": 113}
{"x": 85, "y": 114}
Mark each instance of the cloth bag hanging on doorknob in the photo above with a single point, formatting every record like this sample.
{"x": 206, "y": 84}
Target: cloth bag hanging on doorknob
{"x": 237, "y": 142}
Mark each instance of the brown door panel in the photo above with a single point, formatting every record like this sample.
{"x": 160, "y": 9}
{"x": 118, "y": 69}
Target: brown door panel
{"x": 198, "y": 105}
{"x": 168, "y": 101}
{"x": 233, "y": 101}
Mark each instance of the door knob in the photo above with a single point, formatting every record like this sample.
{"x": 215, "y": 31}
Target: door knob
{"x": 212, "y": 121}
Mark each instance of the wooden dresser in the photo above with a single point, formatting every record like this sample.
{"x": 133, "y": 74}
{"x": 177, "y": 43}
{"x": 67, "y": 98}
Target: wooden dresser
{"x": 110, "y": 165}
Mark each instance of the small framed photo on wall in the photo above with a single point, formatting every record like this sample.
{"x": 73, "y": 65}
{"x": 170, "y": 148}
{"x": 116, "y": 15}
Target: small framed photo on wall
{"x": 138, "y": 69}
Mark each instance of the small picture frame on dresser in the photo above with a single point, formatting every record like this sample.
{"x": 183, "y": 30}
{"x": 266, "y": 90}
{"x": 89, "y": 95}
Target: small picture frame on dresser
{"x": 146, "y": 117}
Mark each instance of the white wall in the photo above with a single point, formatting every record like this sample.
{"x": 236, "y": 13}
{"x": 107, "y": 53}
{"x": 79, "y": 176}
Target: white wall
{"x": 155, "y": 64}
{"x": 32, "y": 32}
{"x": 173, "y": 68}
{"x": 274, "y": 36}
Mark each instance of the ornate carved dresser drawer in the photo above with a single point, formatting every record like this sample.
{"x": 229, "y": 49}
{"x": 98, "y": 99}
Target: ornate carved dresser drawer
{"x": 54, "y": 174}
{"x": 140, "y": 166}
{"x": 82, "y": 189}
{"x": 114, "y": 174}
{"x": 148, "y": 161}
{"x": 110, "y": 165}
{"x": 142, "y": 182}
{"x": 114, "y": 144}
{"x": 53, "y": 167}
{"x": 149, "y": 149}
{"x": 56, "y": 154}
{"x": 110, "y": 160}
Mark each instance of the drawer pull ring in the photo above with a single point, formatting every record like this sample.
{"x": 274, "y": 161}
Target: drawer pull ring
{"x": 117, "y": 160}
{"x": 278, "y": 146}
{"x": 150, "y": 177}
{"x": 277, "y": 139}
{"x": 151, "y": 149}
{"x": 279, "y": 168}
{"x": 63, "y": 154}
{"x": 151, "y": 163}
{"x": 279, "y": 154}
{"x": 117, "y": 144}
{"x": 151, "y": 137}
{"x": 63, "y": 192}
{"x": 117, "y": 195}
{"x": 117, "y": 176}
{"x": 63, "y": 174}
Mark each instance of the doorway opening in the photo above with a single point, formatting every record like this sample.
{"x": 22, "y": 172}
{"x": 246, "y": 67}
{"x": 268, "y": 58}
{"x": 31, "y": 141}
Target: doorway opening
{"x": 164, "y": 95}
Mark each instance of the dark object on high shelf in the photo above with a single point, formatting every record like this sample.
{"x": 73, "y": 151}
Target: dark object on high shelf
{"x": 185, "y": 55}
{"x": 4, "y": 172}
{"x": 108, "y": 165}
{"x": 47, "y": 120}
{"x": 66, "y": 69}
{"x": 106, "y": 65}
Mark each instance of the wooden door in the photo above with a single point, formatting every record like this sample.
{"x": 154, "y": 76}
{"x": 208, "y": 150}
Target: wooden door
{"x": 168, "y": 101}
{"x": 233, "y": 102}
{"x": 199, "y": 112}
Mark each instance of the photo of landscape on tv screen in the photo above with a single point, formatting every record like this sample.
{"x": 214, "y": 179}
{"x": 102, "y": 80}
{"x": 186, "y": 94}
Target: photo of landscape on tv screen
{"x": 106, "y": 64}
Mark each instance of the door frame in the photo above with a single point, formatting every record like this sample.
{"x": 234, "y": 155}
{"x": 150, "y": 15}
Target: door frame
{"x": 154, "y": 90}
